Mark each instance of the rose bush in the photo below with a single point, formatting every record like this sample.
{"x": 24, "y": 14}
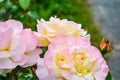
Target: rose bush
{"x": 59, "y": 50}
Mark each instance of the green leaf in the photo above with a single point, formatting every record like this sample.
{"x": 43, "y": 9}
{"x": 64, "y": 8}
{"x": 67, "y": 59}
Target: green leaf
{"x": 3, "y": 75}
{"x": 33, "y": 15}
{"x": 24, "y": 4}
{"x": 44, "y": 49}
{"x": 8, "y": 5}
{"x": 109, "y": 77}
{"x": 24, "y": 76}
{"x": 1, "y": 0}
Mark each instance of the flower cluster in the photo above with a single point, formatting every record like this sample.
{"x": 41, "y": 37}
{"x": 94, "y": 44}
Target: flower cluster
{"x": 70, "y": 55}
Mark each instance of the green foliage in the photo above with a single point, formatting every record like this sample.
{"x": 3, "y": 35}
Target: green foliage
{"x": 109, "y": 77}
{"x": 25, "y": 76}
{"x": 33, "y": 15}
{"x": 24, "y": 4}
{"x": 44, "y": 49}
{"x": 20, "y": 74}
{"x": 1, "y": 0}
{"x": 3, "y": 75}
{"x": 25, "y": 73}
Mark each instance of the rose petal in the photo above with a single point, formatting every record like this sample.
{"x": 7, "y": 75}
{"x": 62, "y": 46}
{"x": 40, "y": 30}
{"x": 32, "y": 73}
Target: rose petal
{"x": 3, "y": 26}
{"x": 7, "y": 63}
{"x": 42, "y": 27}
{"x": 5, "y": 39}
{"x": 18, "y": 45}
{"x": 20, "y": 59}
{"x": 41, "y": 71}
{"x": 101, "y": 74}
{"x": 33, "y": 56}
{"x": 4, "y": 54}
{"x": 49, "y": 63}
{"x": 15, "y": 25}
{"x": 30, "y": 39}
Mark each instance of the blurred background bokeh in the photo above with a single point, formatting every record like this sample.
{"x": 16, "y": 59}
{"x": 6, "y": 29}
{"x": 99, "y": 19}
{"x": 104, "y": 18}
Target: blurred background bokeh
{"x": 106, "y": 14}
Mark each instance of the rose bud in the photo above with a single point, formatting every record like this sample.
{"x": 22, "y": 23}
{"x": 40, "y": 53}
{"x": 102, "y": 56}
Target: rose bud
{"x": 105, "y": 46}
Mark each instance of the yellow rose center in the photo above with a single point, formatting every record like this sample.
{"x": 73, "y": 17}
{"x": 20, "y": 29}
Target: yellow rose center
{"x": 82, "y": 63}
{"x": 7, "y": 49}
{"x": 62, "y": 58}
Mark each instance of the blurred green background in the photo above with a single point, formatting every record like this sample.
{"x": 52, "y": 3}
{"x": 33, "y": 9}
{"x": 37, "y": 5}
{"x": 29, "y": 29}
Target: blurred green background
{"x": 28, "y": 11}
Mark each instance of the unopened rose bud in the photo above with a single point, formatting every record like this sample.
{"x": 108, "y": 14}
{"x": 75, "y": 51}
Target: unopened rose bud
{"x": 105, "y": 46}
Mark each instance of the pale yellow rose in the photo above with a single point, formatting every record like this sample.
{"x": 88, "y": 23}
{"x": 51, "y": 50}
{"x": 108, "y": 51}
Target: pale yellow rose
{"x": 50, "y": 29}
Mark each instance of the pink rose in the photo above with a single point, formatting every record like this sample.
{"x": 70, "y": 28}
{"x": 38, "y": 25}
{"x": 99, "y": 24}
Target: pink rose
{"x": 17, "y": 46}
{"x": 69, "y": 58}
